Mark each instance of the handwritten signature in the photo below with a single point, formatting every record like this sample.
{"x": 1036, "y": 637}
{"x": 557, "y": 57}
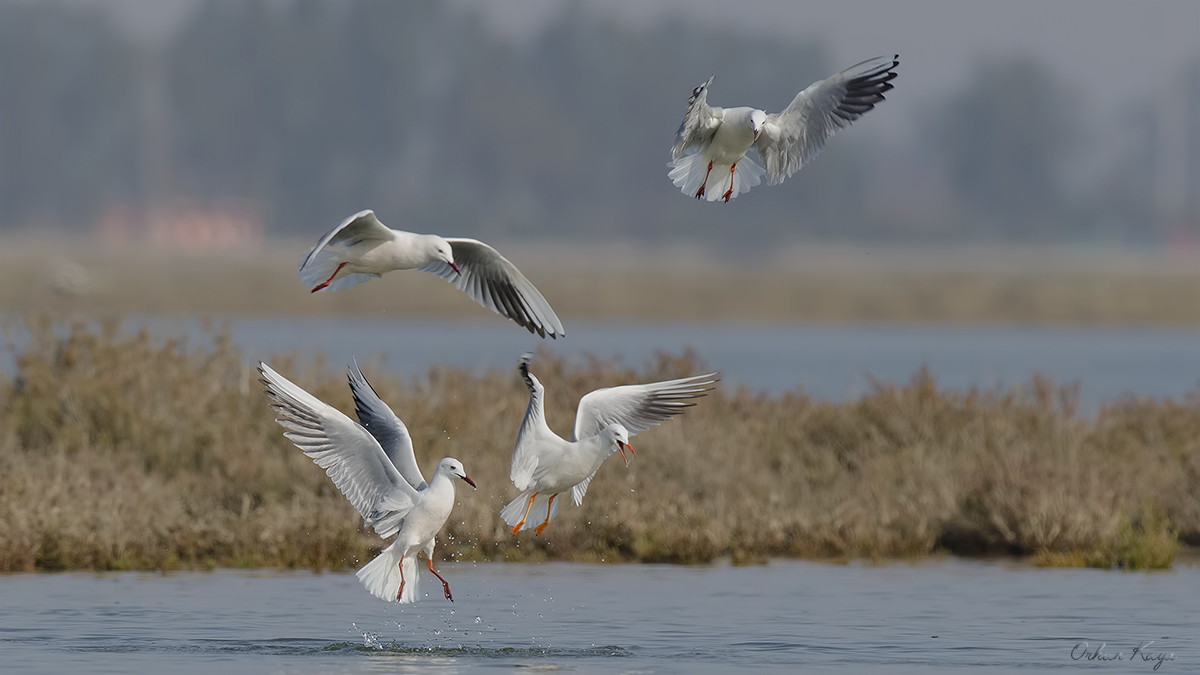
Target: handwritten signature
{"x": 1083, "y": 651}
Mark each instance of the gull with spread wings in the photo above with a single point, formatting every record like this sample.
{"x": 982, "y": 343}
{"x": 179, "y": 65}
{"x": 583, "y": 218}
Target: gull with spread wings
{"x": 362, "y": 248}
{"x": 718, "y": 168}
{"x": 373, "y": 464}
{"x": 545, "y": 465}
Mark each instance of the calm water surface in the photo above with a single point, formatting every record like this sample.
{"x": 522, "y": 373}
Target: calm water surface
{"x": 828, "y": 362}
{"x": 941, "y": 616}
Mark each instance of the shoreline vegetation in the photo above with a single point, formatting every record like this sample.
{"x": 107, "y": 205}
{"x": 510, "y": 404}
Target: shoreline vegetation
{"x": 125, "y": 452}
{"x": 819, "y": 282}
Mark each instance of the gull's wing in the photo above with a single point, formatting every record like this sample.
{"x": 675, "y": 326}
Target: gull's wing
{"x": 492, "y": 281}
{"x": 581, "y": 487}
{"x": 349, "y": 454}
{"x": 322, "y": 262}
{"x": 794, "y": 136}
{"x": 534, "y": 431}
{"x": 638, "y": 407}
{"x": 700, "y": 122}
{"x": 378, "y": 419}
{"x": 360, "y": 227}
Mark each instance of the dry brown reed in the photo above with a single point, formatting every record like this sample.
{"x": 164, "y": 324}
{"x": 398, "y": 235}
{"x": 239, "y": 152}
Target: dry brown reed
{"x": 123, "y": 452}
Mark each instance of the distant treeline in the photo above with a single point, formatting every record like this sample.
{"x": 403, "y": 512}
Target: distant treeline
{"x": 307, "y": 111}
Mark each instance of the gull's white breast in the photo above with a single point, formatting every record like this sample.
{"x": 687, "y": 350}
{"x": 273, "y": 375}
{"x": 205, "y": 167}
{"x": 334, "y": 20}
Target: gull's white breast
{"x": 733, "y": 138}
{"x": 401, "y": 253}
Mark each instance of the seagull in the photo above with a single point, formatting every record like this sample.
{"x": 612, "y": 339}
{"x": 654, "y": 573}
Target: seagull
{"x": 362, "y": 248}
{"x": 544, "y": 465}
{"x": 372, "y": 463}
{"x": 721, "y": 137}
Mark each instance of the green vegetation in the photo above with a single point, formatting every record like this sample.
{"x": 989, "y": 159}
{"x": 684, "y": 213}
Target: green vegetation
{"x": 1150, "y": 544}
{"x": 123, "y": 452}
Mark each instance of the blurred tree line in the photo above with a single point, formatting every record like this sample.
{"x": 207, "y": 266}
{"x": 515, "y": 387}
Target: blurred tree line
{"x": 310, "y": 110}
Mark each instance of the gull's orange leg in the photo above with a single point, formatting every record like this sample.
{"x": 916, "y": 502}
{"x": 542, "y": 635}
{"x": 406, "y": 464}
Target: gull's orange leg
{"x": 700, "y": 192}
{"x": 729, "y": 193}
{"x": 401, "y": 591}
{"x": 330, "y": 279}
{"x": 527, "y": 507}
{"x": 445, "y": 586}
{"x": 539, "y": 528}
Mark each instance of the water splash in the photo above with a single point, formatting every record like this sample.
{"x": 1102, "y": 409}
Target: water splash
{"x": 371, "y": 640}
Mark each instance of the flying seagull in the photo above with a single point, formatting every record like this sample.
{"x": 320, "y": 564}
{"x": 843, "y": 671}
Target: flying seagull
{"x": 362, "y": 247}
{"x": 544, "y": 464}
{"x": 720, "y": 137}
{"x": 374, "y": 466}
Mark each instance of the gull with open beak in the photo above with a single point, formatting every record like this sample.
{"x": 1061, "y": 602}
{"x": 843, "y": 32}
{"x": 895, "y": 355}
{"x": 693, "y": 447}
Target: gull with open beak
{"x": 545, "y": 465}
{"x": 373, "y": 464}
{"x": 362, "y": 248}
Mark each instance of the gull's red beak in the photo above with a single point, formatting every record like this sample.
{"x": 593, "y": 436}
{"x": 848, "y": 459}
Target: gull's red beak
{"x": 459, "y": 270}
{"x": 623, "y": 447}
{"x": 469, "y": 481}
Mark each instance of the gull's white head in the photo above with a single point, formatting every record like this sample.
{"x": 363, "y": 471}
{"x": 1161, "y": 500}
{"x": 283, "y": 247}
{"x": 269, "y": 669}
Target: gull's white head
{"x": 757, "y": 119}
{"x": 618, "y": 436}
{"x": 439, "y": 249}
{"x": 454, "y": 467}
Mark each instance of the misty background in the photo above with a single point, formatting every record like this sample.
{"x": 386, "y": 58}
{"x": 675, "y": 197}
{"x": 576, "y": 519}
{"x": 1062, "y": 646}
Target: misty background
{"x": 1051, "y": 122}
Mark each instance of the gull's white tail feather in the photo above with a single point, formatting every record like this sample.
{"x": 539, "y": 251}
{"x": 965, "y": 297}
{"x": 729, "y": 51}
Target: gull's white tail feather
{"x": 688, "y": 171}
{"x": 537, "y": 513}
{"x": 381, "y": 576}
{"x": 318, "y": 269}
{"x": 688, "y": 174}
{"x": 747, "y": 175}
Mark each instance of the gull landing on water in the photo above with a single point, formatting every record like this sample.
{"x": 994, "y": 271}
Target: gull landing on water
{"x": 785, "y": 141}
{"x": 545, "y": 465}
{"x": 374, "y": 466}
{"x": 362, "y": 248}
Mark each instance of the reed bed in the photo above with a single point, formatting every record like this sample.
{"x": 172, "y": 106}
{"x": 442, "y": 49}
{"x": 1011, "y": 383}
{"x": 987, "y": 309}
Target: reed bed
{"x": 125, "y": 452}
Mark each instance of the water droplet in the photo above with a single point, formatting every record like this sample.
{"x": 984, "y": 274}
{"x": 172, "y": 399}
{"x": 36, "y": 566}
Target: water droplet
{"x": 479, "y": 619}
{"x": 370, "y": 640}
{"x": 451, "y": 611}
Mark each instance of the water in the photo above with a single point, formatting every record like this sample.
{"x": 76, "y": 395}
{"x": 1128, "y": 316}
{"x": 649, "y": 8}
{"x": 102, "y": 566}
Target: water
{"x": 942, "y": 615}
{"x": 828, "y": 362}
